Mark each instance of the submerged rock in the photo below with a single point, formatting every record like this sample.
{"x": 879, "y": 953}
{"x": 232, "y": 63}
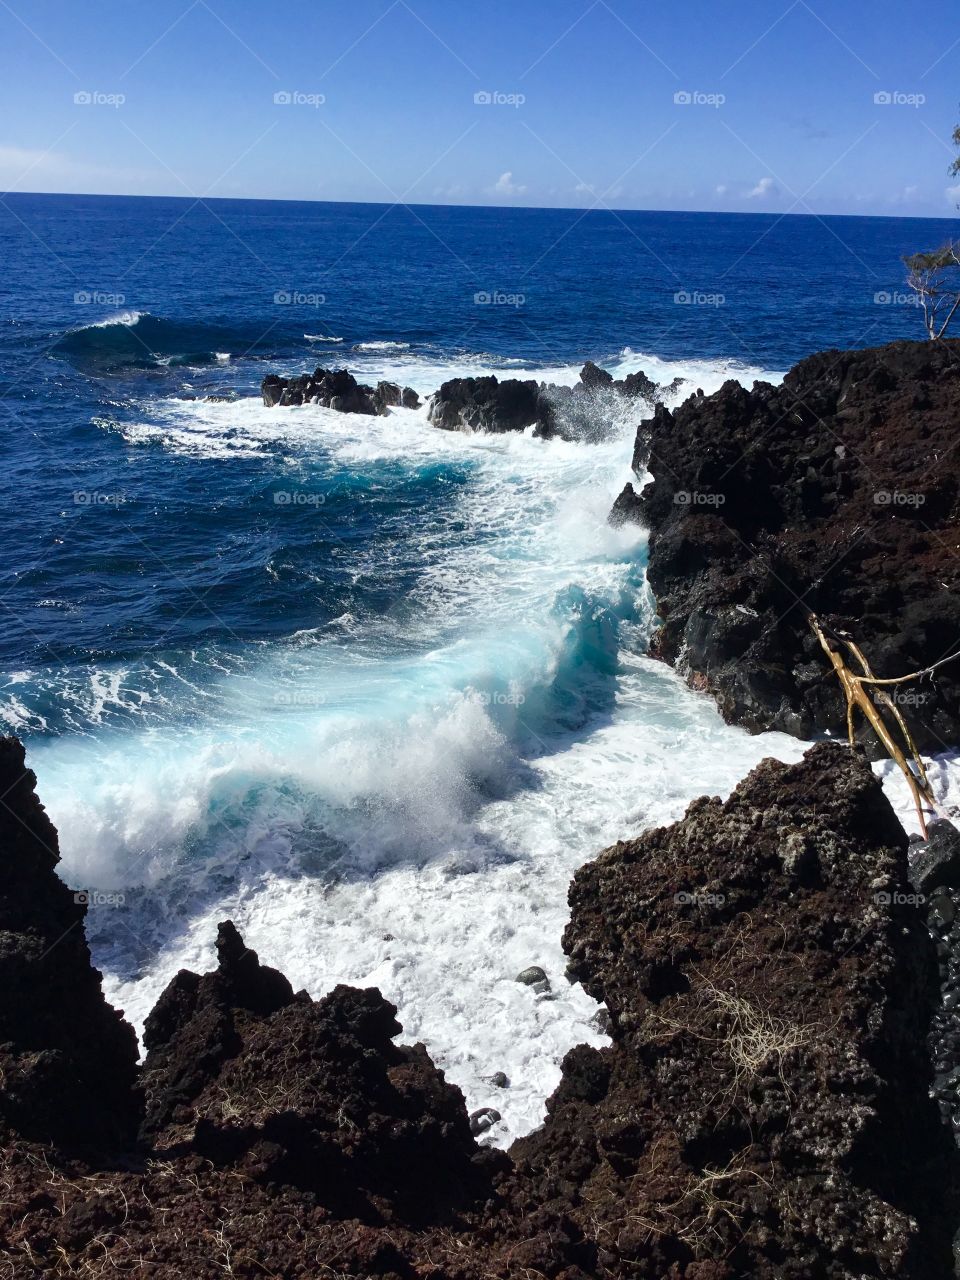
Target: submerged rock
{"x": 532, "y": 976}
{"x": 484, "y": 1119}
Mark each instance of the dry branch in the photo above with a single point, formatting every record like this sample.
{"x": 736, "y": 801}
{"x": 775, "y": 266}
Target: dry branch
{"x": 856, "y": 696}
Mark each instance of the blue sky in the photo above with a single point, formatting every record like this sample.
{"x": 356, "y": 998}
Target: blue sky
{"x": 745, "y": 105}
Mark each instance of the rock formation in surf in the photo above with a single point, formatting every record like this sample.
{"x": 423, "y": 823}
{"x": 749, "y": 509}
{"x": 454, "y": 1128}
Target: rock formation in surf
{"x": 837, "y": 492}
{"x": 486, "y": 404}
{"x": 585, "y": 412}
{"x": 336, "y": 389}
{"x": 762, "y": 1109}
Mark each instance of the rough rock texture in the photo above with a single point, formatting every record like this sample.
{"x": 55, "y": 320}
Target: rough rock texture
{"x": 628, "y": 508}
{"x": 314, "y": 1095}
{"x": 762, "y": 1110}
{"x": 836, "y": 492}
{"x": 584, "y": 412}
{"x": 67, "y": 1059}
{"x": 764, "y": 1105}
{"x": 335, "y": 389}
{"x": 935, "y": 880}
{"x": 485, "y": 404}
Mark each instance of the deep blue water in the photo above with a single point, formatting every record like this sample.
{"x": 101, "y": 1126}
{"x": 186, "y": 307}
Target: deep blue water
{"x": 184, "y": 550}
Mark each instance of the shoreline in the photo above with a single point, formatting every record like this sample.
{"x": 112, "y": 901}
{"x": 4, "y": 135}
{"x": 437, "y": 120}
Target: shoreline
{"x": 777, "y": 975}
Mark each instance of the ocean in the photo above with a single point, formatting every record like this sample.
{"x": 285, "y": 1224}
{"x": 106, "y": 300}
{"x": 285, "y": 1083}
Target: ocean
{"x": 370, "y": 689}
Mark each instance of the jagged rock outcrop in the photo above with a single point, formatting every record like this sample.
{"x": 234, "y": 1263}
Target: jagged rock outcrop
{"x": 485, "y": 404}
{"x": 762, "y": 1110}
{"x": 589, "y": 410}
{"x": 336, "y": 389}
{"x": 68, "y": 1061}
{"x": 311, "y": 1094}
{"x": 837, "y": 492}
{"x": 627, "y": 508}
{"x": 582, "y": 412}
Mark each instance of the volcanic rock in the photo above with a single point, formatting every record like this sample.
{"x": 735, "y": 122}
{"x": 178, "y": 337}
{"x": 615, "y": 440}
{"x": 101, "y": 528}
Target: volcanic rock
{"x": 628, "y": 508}
{"x": 771, "y": 987}
{"x": 312, "y": 1094}
{"x": 485, "y": 404}
{"x": 836, "y": 492}
{"x": 590, "y": 410}
{"x": 936, "y": 861}
{"x": 335, "y": 389}
{"x": 68, "y": 1061}
{"x": 763, "y": 1109}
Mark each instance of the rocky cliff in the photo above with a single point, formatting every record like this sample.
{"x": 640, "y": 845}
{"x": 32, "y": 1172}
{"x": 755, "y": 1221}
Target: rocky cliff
{"x": 763, "y": 1109}
{"x": 837, "y": 492}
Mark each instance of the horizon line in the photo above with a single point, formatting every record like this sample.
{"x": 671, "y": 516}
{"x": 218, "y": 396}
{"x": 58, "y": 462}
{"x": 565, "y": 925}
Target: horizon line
{"x": 518, "y": 208}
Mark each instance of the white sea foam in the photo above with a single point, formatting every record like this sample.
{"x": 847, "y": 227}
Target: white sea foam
{"x": 127, "y": 318}
{"x": 402, "y": 801}
{"x": 382, "y": 346}
{"x": 244, "y": 428}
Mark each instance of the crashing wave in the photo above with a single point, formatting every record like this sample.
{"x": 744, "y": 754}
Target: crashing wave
{"x": 140, "y": 340}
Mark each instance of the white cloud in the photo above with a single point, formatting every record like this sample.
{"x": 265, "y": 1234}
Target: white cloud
{"x": 505, "y": 186}
{"x": 583, "y": 189}
{"x": 953, "y": 194}
{"x": 722, "y": 189}
{"x": 765, "y": 187}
